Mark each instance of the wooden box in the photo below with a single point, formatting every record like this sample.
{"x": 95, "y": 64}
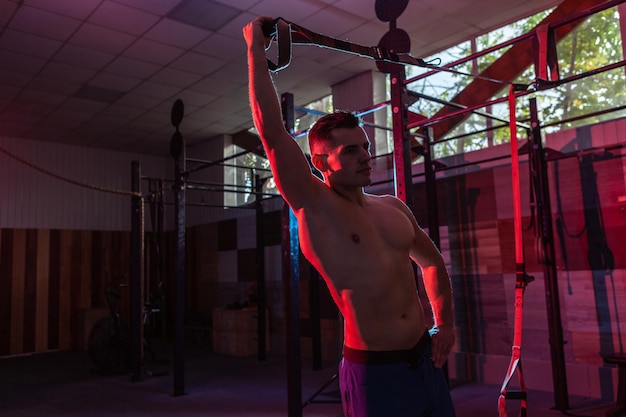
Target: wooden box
{"x": 235, "y": 331}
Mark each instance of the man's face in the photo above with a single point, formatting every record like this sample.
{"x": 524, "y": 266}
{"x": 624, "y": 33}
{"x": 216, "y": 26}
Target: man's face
{"x": 348, "y": 162}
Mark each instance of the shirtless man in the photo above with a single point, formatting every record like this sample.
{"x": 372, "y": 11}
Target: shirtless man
{"x": 362, "y": 245}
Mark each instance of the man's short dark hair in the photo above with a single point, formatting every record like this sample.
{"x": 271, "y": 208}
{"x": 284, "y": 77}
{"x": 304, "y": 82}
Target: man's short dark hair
{"x": 321, "y": 132}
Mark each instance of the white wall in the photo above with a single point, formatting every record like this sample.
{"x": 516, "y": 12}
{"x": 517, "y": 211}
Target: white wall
{"x": 31, "y": 199}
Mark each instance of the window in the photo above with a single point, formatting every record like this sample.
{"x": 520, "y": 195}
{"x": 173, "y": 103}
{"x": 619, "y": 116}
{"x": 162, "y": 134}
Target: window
{"x": 593, "y": 44}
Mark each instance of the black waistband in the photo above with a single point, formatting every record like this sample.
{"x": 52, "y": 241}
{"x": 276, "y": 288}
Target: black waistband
{"x": 380, "y": 357}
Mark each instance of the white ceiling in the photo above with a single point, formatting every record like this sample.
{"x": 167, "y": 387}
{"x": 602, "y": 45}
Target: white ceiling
{"x": 105, "y": 73}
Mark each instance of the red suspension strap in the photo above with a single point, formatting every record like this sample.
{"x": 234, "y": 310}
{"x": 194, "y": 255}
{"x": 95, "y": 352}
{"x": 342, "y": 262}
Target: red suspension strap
{"x": 521, "y": 279}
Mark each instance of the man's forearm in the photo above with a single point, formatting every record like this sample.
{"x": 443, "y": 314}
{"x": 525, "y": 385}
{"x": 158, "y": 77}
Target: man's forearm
{"x": 264, "y": 102}
{"x": 439, "y": 292}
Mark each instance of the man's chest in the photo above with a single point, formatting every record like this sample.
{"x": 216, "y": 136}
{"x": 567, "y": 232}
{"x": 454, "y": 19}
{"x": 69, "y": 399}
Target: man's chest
{"x": 374, "y": 227}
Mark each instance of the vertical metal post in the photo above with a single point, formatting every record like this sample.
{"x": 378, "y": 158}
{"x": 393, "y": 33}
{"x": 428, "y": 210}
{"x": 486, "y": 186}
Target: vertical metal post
{"x": 291, "y": 280}
{"x": 260, "y": 268}
{"x": 401, "y": 145}
{"x": 546, "y": 234}
{"x": 431, "y": 190}
{"x": 179, "y": 320}
{"x": 136, "y": 280}
{"x": 315, "y": 317}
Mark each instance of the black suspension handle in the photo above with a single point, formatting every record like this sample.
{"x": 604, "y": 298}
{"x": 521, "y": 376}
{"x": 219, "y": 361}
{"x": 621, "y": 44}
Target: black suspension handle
{"x": 280, "y": 29}
{"x": 270, "y": 28}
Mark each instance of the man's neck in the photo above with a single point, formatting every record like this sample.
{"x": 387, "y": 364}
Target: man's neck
{"x": 353, "y": 194}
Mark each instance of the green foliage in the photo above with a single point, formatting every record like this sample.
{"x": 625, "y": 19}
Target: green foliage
{"x": 592, "y": 45}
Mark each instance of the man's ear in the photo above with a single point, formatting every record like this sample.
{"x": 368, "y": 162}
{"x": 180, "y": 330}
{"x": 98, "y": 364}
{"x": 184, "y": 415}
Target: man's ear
{"x": 319, "y": 162}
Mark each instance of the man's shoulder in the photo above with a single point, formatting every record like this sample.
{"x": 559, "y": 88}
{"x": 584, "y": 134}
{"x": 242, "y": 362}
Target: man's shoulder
{"x": 384, "y": 198}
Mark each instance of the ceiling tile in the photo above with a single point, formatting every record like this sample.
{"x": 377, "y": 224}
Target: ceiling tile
{"x": 291, "y": 11}
{"x": 83, "y": 106}
{"x": 245, "y": 4}
{"x": 154, "y": 52}
{"x": 9, "y": 91}
{"x": 205, "y": 14}
{"x": 7, "y": 9}
{"x": 14, "y": 78}
{"x": 228, "y": 104}
{"x": 114, "y": 82}
{"x": 234, "y": 70}
{"x": 166, "y": 107}
{"x": 123, "y": 113}
{"x": 216, "y": 86}
{"x": 78, "y": 9}
{"x": 20, "y": 63}
{"x": 102, "y": 39}
{"x": 57, "y": 86}
{"x": 26, "y": 112}
{"x": 176, "y": 78}
{"x": 35, "y": 96}
{"x": 99, "y": 94}
{"x": 196, "y": 98}
{"x": 234, "y": 27}
{"x": 333, "y": 23}
{"x": 70, "y": 116}
{"x": 155, "y": 120}
{"x": 132, "y": 67}
{"x": 222, "y": 46}
{"x": 28, "y": 44}
{"x": 357, "y": 7}
{"x": 123, "y": 18}
{"x": 39, "y": 22}
{"x": 152, "y": 89}
{"x": 190, "y": 124}
{"x": 158, "y": 7}
{"x": 175, "y": 33}
{"x": 11, "y": 128}
{"x": 197, "y": 63}
{"x": 139, "y": 101}
{"x": 368, "y": 34}
{"x": 59, "y": 71}
{"x": 56, "y": 132}
{"x": 83, "y": 57}
{"x": 101, "y": 124}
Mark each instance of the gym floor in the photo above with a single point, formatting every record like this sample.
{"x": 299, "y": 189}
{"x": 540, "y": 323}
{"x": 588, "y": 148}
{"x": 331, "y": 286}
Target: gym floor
{"x": 64, "y": 384}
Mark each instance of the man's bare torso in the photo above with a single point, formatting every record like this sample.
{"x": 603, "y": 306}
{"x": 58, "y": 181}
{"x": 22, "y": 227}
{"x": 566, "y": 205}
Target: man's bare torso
{"x": 362, "y": 251}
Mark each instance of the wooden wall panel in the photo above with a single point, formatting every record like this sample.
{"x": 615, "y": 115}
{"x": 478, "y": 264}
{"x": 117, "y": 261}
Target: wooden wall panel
{"x": 6, "y": 292}
{"x": 41, "y": 290}
{"x": 30, "y": 290}
{"x": 48, "y": 277}
{"x": 54, "y": 290}
{"x": 65, "y": 290}
{"x": 18, "y": 266}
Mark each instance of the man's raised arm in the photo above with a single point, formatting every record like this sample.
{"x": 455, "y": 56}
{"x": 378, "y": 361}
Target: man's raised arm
{"x": 290, "y": 168}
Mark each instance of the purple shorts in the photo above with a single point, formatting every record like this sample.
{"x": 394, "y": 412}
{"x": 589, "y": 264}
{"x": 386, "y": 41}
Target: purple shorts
{"x": 399, "y": 383}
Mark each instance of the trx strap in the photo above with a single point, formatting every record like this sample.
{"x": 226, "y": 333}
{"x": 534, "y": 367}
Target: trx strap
{"x": 521, "y": 279}
{"x": 288, "y": 33}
